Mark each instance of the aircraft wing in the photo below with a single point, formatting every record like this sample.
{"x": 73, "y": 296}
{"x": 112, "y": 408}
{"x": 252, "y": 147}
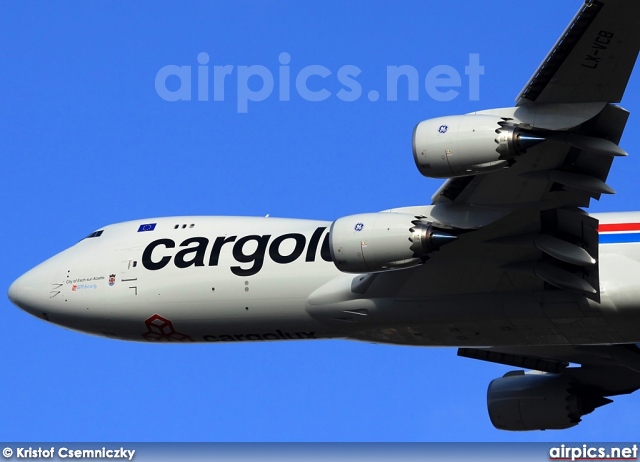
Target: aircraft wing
{"x": 541, "y": 193}
{"x": 605, "y": 370}
{"x": 591, "y": 63}
{"x": 538, "y": 198}
{"x": 592, "y": 59}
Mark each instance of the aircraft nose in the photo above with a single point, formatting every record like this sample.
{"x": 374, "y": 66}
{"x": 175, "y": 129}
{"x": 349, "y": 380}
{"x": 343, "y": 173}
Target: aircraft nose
{"x": 13, "y": 292}
{"x": 30, "y": 292}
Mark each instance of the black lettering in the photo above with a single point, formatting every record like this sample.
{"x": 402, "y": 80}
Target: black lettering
{"x": 254, "y": 337}
{"x": 313, "y": 244}
{"x": 148, "y": 263}
{"x": 257, "y": 257}
{"x": 325, "y": 251}
{"x": 199, "y": 252}
{"x": 593, "y": 58}
{"x": 604, "y": 33}
{"x": 217, "y": 246}
{"x": 598, "y": 46}
{"x": 274, "y": 249}
{"x": 195, "y": 255}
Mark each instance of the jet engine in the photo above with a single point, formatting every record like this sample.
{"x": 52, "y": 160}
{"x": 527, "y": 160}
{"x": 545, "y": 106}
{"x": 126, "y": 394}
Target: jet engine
{"x": 464, "y": 145}
{"x": 538, "y": 401}
{"x": 383, "y": 241}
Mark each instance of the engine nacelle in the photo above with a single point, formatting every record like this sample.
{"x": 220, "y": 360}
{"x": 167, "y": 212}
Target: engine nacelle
{"x": 464, "y": 145}
{"x": 521, "y": 401}
{"x": 372, "y": 242}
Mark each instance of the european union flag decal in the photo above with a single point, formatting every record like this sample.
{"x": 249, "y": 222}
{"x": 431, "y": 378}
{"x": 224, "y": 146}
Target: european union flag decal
{"x": 147, "y": 227}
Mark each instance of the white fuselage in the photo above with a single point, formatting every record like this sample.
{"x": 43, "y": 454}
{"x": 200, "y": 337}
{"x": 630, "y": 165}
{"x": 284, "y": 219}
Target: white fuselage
{"x": 229, "y": 279}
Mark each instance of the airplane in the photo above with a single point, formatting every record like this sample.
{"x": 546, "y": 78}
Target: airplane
{"x": 504, "y": 264}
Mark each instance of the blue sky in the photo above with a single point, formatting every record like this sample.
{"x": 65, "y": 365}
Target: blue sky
{"x": 87, "y": 140}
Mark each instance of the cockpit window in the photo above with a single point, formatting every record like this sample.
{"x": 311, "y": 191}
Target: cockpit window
{"x": 95, "y": 234}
